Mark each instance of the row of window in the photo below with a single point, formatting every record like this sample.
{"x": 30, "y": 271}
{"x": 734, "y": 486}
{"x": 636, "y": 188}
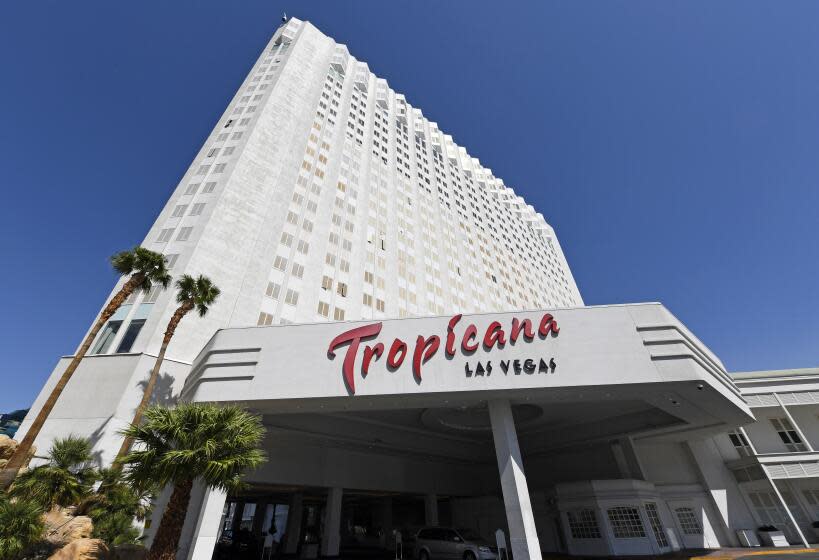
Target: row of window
{"x": 626, "y": 523}
{"x": 784, "y": 429}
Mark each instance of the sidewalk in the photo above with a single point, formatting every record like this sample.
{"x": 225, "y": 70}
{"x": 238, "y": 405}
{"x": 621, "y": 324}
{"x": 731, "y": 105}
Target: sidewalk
{"x": 764, "y": 553}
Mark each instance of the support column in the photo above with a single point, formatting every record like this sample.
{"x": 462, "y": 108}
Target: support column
{"x": 721, "y": 486}
{"x": 331, "y": 532}
{"x": 293, "y": 530}
{"x": 522, "y": 532}
{"x": 206, "y": 532}
{"x": 431, "y": 509}
{"x": 628, "y": 462}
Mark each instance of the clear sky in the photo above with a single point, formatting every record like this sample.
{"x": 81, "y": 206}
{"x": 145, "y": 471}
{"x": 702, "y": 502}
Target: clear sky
{"x": 674, "y": 146}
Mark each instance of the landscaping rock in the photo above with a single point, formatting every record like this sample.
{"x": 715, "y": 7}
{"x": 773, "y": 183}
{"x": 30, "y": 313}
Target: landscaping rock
{"x": 7, "y": 447}
{"x": 61, "y": 527}
{"x": 82, "y": 549}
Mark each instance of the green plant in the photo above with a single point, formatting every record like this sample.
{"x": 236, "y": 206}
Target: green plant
{"x": 113, "y": 508}
{"x": 21, "y": 526}
{"x": 144, "y": 268}
{"x": 192, "y": 293}
{"x": 64, "y": 480}
{"x": 192, "y": 441}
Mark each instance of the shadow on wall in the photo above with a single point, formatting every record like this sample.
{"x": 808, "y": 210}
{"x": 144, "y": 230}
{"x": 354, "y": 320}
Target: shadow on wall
{"x": 94, "y": 437}
{"x": 163, "y": 390}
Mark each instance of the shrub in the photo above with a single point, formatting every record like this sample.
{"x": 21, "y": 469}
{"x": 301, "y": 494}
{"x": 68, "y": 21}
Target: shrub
{"x": 21, "y": 526}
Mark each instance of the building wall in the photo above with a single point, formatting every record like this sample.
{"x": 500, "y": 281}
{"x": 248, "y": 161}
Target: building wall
{"x": 317, "y": 163}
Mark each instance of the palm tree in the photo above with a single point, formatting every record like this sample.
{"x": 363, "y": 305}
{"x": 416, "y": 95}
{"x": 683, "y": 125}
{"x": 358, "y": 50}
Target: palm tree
{"x": 113, "y": 508}
{"x": 144, "y": 269}
{"x": 64, "y": 480}
{"x": 192, "y": 293}
{"x": 179, "y": 445}
{"x": 21, "y": 526}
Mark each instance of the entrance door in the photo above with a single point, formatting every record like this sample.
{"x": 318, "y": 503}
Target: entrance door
{"x": 693, "y": 525}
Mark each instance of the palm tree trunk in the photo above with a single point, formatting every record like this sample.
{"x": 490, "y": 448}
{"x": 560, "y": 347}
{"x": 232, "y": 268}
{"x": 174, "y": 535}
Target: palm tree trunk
{"x": 177, "y": 316}
{"x": 21, "y": 453}
{"x": 167, "y": 535}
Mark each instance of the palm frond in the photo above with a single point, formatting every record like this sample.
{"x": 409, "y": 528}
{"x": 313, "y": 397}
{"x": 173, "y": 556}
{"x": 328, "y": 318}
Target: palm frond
{"x": 194, "y": 440}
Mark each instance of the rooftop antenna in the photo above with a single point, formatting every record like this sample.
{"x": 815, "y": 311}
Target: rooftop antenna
{"x": 284, "y": 17}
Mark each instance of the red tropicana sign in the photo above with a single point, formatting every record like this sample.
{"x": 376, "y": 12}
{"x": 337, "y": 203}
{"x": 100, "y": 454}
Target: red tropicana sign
{"x": 426, "y": 346}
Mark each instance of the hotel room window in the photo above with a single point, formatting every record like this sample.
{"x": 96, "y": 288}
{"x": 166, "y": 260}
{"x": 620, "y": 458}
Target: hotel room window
{"x": 740, "y": 443}
{"x": 788, "y": 435}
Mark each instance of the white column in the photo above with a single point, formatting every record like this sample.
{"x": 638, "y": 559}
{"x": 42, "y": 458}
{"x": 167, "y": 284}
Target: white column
{"x": 431, "y": 509}
{"x": 721, "y": 486}
{"x": 207, "y": 525}
{"x": 522, "y": 533}
{"x": 793, "y": 422}
{"x": 331, "y": 532}
{"x": 293, "y": 529}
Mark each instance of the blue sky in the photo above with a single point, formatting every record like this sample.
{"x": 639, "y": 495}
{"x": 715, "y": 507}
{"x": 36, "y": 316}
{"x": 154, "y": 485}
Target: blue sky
{"x": 674, "y": 146}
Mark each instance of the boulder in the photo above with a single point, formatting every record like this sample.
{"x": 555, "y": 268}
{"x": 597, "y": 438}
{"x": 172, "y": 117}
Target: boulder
{"x": 61, "y": 527}
{"x": 7, "y": 447}
{"x": 82, "y": 549}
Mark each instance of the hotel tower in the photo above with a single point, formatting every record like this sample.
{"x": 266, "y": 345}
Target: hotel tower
{"x": 411, "y": 334}
{"x": 322, "y": 195}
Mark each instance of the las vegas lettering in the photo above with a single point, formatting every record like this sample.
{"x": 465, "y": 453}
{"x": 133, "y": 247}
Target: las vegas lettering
{"x": 426, "y": 346}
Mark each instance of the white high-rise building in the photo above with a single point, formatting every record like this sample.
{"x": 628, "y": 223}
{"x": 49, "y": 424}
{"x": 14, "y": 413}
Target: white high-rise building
{"x": 321, "y": 194}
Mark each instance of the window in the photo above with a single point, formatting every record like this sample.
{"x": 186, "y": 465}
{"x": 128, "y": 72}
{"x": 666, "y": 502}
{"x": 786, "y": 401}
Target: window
{"x": 130, "y": 336}
{"x": 298, "y": 270}
{"x": 342, "y": 289}
{"x": 324, "y": 309}
{"x": 583, "y": 524}
{"x": 153, "y": 294}
{"x": 209, "y": 187}
{"x": 184, "y": 234}
{"x": 625, "y": 523}
{"x": 327, "y": 283}
{"x": 656, "y": 524}
{"x": 170, "y": 260}
{"x": 107, "y": 337}
{"x": 287, "y": 239}
{"x": 192, "y": 188}
{"x": 788, "y": 434}
{"x": 379, "y": 304}
{"x": 179, "y": 211}
{"x": 272, "y": 290}
{"x": 265, "y": 319}
{"x": 303, "y": 247}
{"x": 689, "y": 523}
{"x": 165, "y": 235}
{"x": 219, "y": 168}
{"x": 292, "y": 297}
{"x": 338, "y": 314}
{"x": 197, "y": 208}
{"x": 203, "y": 169}
{"x": 280, "y": 263}
{"x": 368, "y": 300}
{"x": 740, "y": 443}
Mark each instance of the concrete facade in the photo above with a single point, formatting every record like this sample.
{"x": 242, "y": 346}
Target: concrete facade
{"x": 323, "y": 202}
